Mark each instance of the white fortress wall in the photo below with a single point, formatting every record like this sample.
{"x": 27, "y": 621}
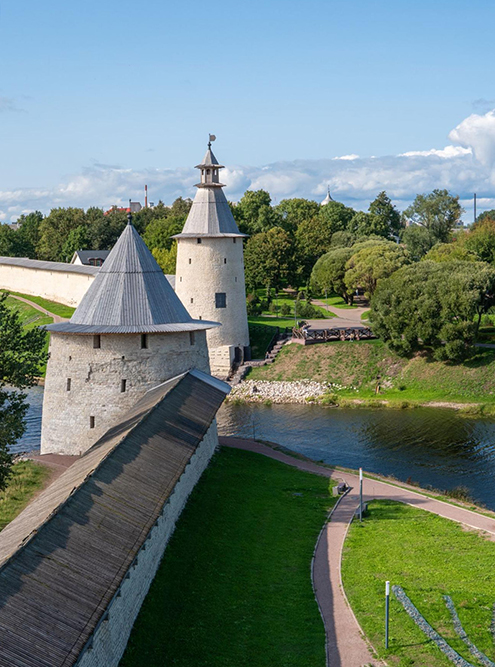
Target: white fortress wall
{"x": 87, "y": 381}
{"x": 215, "y": 266}
{"x": 51, "y": 280}
{"x": 111, "y": 636}
{"x": 55, "y": 281}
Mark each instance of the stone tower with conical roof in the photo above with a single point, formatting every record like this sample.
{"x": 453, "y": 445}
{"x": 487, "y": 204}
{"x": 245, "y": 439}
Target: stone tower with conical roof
{"x": 210, "y": 269}
{"x": 130, "y": 333}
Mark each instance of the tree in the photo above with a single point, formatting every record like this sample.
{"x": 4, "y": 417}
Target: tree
{"x": 438, "y": 305}
{"x": 105, "y": 230}
{"x": 342, "y": 240}
{"x": 77, "y": 239}
{"x": 29, "y": 233}
{"x": 54, "y": 230}
{"x": 335, "y": 216}
{"x": 268, "y": 259}
{"x": 439, "y": 212}
{"x": 313, "y": 238}
{"x": 159, "y": 232}
{"x": 9, "y": 242}
{"x": 254, "y": 212}
{"x": 385, "y": 219}
{"x": 21, "y": 358}
{"x": 293, "y": 212}
{"x": 329, "y": 272}
{"x": 418, "y": 241}
{"x": 450, "y": 252}
{"x": 166, "y": 258}
{"x": 481, "y": 239}
{"x": 371, "y": 264}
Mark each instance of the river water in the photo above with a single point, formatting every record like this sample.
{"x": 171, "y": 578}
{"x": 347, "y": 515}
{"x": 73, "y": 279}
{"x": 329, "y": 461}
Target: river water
{"x": 432, "y": 446}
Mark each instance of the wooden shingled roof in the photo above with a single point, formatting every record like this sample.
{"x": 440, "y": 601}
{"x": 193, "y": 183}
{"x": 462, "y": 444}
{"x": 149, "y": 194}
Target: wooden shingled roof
{"x": 64, "y": 557}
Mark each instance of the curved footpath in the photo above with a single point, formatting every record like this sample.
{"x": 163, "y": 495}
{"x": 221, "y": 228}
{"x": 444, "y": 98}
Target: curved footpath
{"x": 346, "y": 645}
{"x": 56, "y": 318}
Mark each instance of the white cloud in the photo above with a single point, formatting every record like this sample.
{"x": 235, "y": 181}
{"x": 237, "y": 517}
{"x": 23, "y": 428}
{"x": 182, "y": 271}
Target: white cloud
{"x": 464, "y": 167}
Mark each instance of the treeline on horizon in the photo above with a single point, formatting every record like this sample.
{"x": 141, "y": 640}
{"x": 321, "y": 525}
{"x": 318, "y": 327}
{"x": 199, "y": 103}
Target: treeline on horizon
{"x": 429, "y": 281}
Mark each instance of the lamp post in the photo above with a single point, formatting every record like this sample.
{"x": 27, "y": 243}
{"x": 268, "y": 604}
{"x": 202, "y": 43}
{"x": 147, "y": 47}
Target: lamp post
{"x": 387, "y": 606}
{"x": 360, "y": 494}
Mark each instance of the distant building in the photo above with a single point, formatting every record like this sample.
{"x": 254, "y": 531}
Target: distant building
{"x": 210, "y": 270}
{"x": 89, "y": 257}
{"x": 134, "y": 207}
{"x": 328, "y": 198}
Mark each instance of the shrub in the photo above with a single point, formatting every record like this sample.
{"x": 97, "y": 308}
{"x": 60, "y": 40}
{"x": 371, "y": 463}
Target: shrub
{"x": 285, "y": 309}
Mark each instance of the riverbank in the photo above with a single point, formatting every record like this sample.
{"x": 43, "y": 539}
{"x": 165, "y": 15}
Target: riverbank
{"x": 348, "y": 374}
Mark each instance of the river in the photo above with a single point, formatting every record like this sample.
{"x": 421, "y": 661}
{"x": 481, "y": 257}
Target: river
{"x": 434, "y": 447}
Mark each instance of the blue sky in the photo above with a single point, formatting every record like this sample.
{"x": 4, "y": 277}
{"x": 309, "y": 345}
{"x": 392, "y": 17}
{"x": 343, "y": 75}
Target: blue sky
{"x": 98, "y": 97}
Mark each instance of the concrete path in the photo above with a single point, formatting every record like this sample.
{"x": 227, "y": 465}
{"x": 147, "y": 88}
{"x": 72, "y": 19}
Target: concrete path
{"x": 56, "y": 318}
{"x": 344, "y": 317}
{"x": 346, "y": 646}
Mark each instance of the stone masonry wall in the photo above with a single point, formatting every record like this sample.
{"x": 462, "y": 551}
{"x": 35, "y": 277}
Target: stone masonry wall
{"x": 203, "y": 269}
{"x": 111, "y": 636}
{"x": 95, "y": 381}
{"x": 67, "y": 288}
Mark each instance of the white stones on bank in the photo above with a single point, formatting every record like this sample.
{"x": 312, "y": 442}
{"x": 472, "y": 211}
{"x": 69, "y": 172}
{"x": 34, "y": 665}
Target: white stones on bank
{"x": 260, "y": 391}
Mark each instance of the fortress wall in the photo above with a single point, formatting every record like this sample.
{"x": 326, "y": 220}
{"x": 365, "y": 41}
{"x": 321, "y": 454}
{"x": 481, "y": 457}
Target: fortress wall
{"x": 65, "y": 287}
{"x": 203, "y": 269}
{"x": 111, "y": 636}
{"x": 95, "y": 381}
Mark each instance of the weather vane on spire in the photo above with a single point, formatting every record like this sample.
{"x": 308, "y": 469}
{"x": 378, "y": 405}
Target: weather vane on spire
{"x": 212, "y": 138}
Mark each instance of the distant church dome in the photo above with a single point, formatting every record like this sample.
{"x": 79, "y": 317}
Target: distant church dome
{"x": 328, "y": 198}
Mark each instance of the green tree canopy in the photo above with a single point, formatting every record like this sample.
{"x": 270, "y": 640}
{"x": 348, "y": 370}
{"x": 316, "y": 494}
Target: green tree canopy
{"x": 159, "y": 232}
{"x": 439, "y": 212}
{"x": 21, "y": 358}
{"x": 433, "y": 304}
{"x": 385, "y": 219}
{"x": 418, "y": 241}
{"x": 166, "y": 258}
{"x": 254, "y": 212}
{"x": 329, "y": 273}
{"x": 481, "y": 239}
{"x": 9, "y": 242}
{"x": 450, "y": 252}
{"x": 28, "y": 234}
{"x": 77, "y": 239}
{"x": 371, "y": 264}
{"x": 54, "y": 230}
{"x": 342, "y": 240}
{"x": 293, "y": 212}
{"x": 335, "y": 216}
{"x": 268, "y": 259}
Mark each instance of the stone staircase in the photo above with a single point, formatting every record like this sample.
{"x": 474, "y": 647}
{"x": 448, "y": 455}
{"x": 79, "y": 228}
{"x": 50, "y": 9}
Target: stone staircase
{"x": 240, "y": 373}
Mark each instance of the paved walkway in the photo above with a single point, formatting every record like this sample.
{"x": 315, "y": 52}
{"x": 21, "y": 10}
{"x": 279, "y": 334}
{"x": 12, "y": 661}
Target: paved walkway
{"x": 346, "y": 646}
{"x": 344, "y": 317}
{"x": 56, "y": 318}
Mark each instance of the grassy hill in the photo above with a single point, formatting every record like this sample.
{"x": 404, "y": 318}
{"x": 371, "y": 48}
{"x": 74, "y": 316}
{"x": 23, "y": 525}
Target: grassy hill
{"x": 356, "y": 365}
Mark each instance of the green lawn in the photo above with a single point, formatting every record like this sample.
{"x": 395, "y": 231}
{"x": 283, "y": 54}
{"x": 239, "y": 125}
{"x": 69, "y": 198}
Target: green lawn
{"x": 29, "y": 316}
{"x": 27, "y": 478}
{"x": 356, "y": 365}
{"x": 429, "y": 557}
{"x": 335, "y": 301}
{"x": 261, "y": 331}
{"x": 234, "y": 587}
{"x": 51, "y": 306}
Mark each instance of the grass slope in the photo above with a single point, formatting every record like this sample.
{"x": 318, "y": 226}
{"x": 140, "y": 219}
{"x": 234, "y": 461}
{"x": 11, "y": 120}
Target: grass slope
{"x": 429, "y": 557}
{"x": 27, "y": 478}
{"x": 234, "y": 586}
{"x": 51, "y": 306}
{"x": 358, "y": 363}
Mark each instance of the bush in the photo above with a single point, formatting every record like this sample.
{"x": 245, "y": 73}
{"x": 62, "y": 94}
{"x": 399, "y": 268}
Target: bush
{"x": 285, "y": 309}
{"x": 273, "y": 307}
{"x": 254, "y": 305}
{"x": 308, "y": 311}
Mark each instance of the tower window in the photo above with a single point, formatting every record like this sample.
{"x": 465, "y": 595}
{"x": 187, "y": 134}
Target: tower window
{"x": 123, "y": 384}
{"x": 191, "y": 338}
{"x": 200, "y": 317}
{"x": 207, "y": 172}
{"x": 199, "y": 240}
{"x": 234, "y": 240}
{"x": 68, "y": 384}
{"x": 236, "y": 279}
{"x": 220, "y": 300}
{"x": 192, "y": 300}
{"x": 180, "y": 279}
{"x": 96, "y": 341}
{"x": 91, "y": 422}
{"x": 189, "y": 260}
{"x": 225, "y": 260}
{"x": 144, "y": 341}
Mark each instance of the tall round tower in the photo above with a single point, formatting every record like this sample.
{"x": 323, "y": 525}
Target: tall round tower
{"x": 129, "y": 334}
{"x": 210, "y": 269}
